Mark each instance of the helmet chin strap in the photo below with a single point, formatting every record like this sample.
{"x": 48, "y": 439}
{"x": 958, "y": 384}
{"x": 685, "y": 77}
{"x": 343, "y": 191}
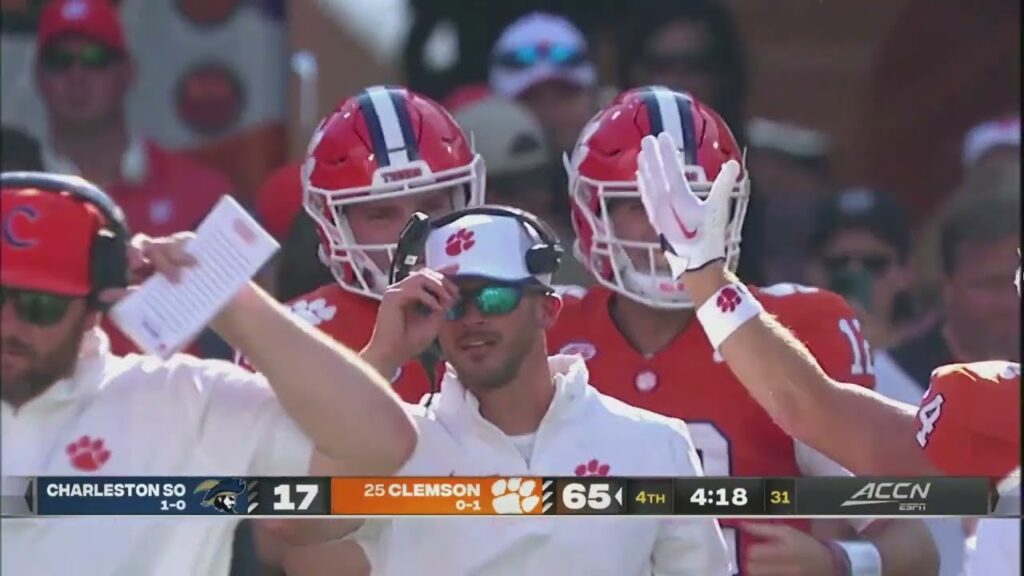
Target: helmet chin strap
{"x": 651, "y": 287}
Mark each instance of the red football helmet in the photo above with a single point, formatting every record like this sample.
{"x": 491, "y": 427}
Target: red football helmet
{"x": 382, "y": 143}
{"x": 603, "y": 168}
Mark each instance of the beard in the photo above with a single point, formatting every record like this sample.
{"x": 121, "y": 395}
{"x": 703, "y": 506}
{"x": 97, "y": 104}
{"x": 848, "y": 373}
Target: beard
{"x": 43, "y": 371}
{"x": 500, "y": 371}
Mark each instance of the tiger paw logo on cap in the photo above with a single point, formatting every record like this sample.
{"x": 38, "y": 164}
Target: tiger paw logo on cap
{"x": 459, "y": 242}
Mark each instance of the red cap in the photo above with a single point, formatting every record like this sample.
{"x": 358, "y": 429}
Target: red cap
{"x": 279, "y": 200}
{"x": 46, "y": 241}
{"x": 94, "y": 19}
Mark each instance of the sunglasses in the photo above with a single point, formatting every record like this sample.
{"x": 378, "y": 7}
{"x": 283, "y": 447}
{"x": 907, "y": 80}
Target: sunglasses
{"x": 561, "y": 55}
{"x": 874, "y": 265}
{"x": 492, "y": 300}
{"x": 39, "y": 308}
{"x": 90, "y": 57}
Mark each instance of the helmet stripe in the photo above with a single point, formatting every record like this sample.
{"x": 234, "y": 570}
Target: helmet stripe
{"x": 685, "y": 106}
{"x": 671, "y": 112}
{"x": 384, "y": 122}
{"x": 398, "y": 100}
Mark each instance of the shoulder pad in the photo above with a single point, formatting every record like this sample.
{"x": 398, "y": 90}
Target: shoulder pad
{"x": 784, "y": 289}
{"x": 570, "y": 291}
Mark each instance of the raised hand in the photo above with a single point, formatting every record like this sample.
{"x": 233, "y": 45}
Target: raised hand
{"x": 692, "y": 230}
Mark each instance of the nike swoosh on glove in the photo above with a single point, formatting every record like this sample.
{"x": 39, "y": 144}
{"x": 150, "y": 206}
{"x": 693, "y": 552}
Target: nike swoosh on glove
{"x": 692, "y": 230}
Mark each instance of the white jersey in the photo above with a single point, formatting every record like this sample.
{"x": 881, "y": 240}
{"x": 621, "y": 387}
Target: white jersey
{"x": 580, "y": 427}
{"x": 140, "y": 416}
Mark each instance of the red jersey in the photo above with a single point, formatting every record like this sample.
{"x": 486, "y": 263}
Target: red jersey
{"x": 173, "y": 193}
{"x": 349, "y": 319}
{"x": 969, "y": 420}
{"x": 687, "y": 379}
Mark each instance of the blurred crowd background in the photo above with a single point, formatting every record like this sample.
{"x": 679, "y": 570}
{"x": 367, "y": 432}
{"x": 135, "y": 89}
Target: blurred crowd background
{"x": 882, "y": 136}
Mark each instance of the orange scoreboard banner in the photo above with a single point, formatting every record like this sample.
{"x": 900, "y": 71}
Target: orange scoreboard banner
{"x": 476, "y": 496}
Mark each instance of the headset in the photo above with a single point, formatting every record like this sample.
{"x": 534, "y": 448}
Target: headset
{"x": 109, "y": 250}
{"x": 543, "y": 257}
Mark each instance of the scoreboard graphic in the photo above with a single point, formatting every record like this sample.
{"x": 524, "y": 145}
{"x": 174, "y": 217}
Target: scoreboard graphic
{"x": 496, "y": 496}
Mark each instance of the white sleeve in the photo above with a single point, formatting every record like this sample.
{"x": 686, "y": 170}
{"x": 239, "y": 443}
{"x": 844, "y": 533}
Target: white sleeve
{"x": 241, "y": 425}
{"x": 814, "y": 463}
{"x": 687, "y": 546}
{"x": 997, "y": 548}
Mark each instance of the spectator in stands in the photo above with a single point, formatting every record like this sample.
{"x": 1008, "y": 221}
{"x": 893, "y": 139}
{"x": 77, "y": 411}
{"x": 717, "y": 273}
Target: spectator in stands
{"x": 84, "y": 72}
{"x": 792, "y": 167}
{"x": 543, "y": 61}
{"x": 978, "y": 245}
{"x": 19, "y": 152}
{"x": 992, "y": 142}
{"x": 694, "y": 46}
{"x": 690, "y": 46}
{"x": 860, "y": 250}
{"x": 521, "y": 168}
{"x": 991, "y": 156}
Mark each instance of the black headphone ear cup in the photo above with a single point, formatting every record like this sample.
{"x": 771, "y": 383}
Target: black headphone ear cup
{"x": 543, "y": 259}
{"x": 109, "y": 263}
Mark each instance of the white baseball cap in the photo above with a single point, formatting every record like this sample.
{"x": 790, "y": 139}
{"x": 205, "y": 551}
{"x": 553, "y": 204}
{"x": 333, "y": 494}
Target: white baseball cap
{"x": 988, "y": 135}
{"x": 536, "y": 48}
{"x": 484, "y": 246}
{"x": 506, "y": 134}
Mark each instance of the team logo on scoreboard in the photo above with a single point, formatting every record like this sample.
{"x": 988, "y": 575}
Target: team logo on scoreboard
{"x": 228, "y": 495}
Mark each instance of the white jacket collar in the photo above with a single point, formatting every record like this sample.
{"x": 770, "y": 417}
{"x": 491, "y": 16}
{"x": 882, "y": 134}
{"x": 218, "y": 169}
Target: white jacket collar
{"x": 134, "y": 161}
{"x": 569, "y": 376}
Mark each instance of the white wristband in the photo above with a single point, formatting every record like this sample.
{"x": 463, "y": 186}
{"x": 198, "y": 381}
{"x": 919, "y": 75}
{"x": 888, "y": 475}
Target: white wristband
{"x": 728, "y": 309}
{"x": 865, "y": 560}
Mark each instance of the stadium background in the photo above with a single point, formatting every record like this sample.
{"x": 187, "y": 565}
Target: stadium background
{"x": 895, "y": 84}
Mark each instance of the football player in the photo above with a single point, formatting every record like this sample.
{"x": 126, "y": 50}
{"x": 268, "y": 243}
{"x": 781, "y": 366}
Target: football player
{"x": 639, "y": 336}
{"x": 968, "y": 422}
{"x": 381, "y": 156}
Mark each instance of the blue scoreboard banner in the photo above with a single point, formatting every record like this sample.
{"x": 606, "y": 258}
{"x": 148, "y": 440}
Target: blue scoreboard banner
{"x": 121, "y": 495}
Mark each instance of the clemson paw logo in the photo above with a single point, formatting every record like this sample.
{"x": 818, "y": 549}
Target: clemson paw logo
{"x": 728, "y": 299}
{"x": 593, "y": 468}
{"x": 315, "y": 312}
{"x": 459, "y": 242}
{"x": 88, "y": 454}
{"x": 514, "y": 496}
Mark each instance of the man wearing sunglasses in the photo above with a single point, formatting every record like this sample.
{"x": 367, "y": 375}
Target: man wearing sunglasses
{"x": 506, "y": 408}
{"x": 859, "y": 249}
{"x": 84, "y": 71}
{"x": 71, "y": 408}
{"x": 542, "y": 60}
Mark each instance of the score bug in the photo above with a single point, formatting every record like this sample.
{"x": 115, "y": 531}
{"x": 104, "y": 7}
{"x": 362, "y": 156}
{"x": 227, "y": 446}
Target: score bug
{"x": 169, "y": 505}
{"x": 467, "y": 506}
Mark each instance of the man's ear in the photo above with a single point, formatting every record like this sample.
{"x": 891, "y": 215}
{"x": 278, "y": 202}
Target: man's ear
{"x": 549, "y": 309}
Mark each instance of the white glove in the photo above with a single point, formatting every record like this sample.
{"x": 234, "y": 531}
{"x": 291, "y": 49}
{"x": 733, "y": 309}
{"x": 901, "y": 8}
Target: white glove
{"x": 692, "y": 231}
